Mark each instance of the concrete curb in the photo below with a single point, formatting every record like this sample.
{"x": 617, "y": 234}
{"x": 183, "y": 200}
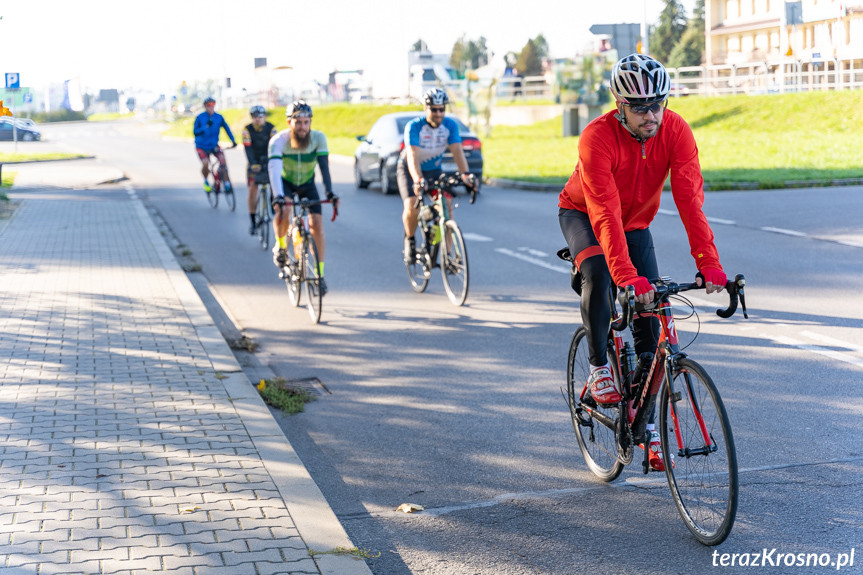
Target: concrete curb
{"x": 48, "y": 160}
{"x": 314, "y": 519}
{"x": 708, "y": 187}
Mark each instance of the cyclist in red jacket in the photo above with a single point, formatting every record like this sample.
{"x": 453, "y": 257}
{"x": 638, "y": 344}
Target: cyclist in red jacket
{"x": 624, "y": 158}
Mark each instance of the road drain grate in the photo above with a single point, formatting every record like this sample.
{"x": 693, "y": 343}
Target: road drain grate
{"x": 311, "y": 384}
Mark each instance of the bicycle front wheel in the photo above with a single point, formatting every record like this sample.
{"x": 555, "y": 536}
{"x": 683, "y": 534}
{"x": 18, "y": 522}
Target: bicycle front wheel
{"x": 595, "y": 437}
{"x": 696, "y": 438}
{"x": 419, "y": 269}
{"x": 454, "y": 268}
{"x": 262, "y": 216}
{"x": 293, "y": 277}
{"x": 312, "y": 278}
{"x": 229, "y": 197}
{"x": 213, "y": 197}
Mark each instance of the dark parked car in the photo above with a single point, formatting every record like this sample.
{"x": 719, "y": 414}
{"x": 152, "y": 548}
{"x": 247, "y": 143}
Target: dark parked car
{"x": 375, "y": 158}
{"x": 25, "y": 133}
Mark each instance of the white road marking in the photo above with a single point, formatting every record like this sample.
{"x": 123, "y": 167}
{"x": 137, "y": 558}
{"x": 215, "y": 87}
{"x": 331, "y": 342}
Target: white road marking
{"x": 815, "y": 349}
{"x": 850, "y": 243}
{"x": 533, "y": 261}
{"x": 831, "y": 341}
{"x": 721, "y": 221}
{"x": 784, "y": 231}
{"x": 667, "y": 212}
{"x": 533, "y": 252}
{"x": 476, "y": 237}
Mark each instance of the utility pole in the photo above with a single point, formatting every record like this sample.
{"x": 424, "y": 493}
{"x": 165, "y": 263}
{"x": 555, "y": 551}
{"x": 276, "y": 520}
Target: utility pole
{"x": 645, "y": 33}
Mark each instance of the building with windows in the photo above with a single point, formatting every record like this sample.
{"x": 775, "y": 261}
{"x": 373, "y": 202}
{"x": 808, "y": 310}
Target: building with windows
{"x": 740, "y": 31}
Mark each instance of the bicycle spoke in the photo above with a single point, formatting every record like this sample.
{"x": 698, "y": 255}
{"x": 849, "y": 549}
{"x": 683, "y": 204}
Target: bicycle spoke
{"x": 703, "y": 478}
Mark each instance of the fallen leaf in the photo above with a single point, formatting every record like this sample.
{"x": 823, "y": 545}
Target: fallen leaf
{"x": 189, "y": 510}
{"x": 262, "y": 385}
{"x": 410, "y": 507}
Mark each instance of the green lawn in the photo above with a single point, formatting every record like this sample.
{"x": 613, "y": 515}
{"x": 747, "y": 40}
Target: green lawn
{"x": 21, "y": 157}
{"x": 765, "y": 139}
{"x": 7, "y": 181}
{"x": 109, "y": 116}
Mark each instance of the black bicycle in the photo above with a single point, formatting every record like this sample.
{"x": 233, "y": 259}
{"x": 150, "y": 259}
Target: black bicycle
{"x": 302, "y": 262}
{"x": 262, "y": 207}
{"x": 439, "y": 234}
{"x": 694, "y": 430}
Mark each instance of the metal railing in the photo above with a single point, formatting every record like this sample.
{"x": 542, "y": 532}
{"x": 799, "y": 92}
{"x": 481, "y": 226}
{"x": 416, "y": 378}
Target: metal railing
{"x": 769, "y": 76}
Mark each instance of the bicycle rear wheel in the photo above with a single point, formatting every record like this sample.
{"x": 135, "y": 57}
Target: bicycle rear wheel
{"x": 596, "y": 439}
{"x": 454, "y": 268}
{"x": 312, "y": 278}
{"x": 703, "y": 479}
{"x": 419, "y": 270}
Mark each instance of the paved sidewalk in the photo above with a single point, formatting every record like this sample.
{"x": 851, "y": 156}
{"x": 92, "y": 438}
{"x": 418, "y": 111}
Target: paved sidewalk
{"x": 130, "y": 440}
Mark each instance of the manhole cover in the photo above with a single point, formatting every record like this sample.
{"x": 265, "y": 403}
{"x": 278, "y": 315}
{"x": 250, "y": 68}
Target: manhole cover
{"x": 313, "y": 385}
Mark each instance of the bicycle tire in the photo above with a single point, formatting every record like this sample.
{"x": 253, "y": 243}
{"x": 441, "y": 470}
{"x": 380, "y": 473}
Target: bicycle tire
{"x": 262, "y": 217}
{"x": 704, "y": 486}
{"x": 419, "y": 270}
{"x": 294, "y": 277}
{"x": 213, "y": 198}
{"x": 232, "y": 201}
{"x": 600, "y": 452}
{"x": 312, "y": 279}
{"x": 454, "y": 264}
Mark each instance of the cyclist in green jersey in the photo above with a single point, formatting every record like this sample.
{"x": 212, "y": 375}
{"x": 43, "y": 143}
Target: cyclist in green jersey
{"x": 293, "y": 155}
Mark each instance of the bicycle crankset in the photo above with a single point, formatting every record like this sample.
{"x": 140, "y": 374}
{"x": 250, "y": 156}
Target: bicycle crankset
{"x": 623, "y": 438}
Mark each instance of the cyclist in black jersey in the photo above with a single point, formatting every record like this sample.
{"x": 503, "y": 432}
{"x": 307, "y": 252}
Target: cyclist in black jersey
{"x": 256, "y": 138}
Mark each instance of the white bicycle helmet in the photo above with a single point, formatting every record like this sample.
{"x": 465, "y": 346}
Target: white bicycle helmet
{"x": 639, "y": 79}
{"x": 436, "y": 97}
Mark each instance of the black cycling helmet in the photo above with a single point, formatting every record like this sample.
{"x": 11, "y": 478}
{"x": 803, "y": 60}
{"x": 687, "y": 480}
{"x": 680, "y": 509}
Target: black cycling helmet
{"x": 298, "y": 109}
{"x": 256, "y": 111}
{"x": 208, "y": 101}
{"x": 436, "y": 97}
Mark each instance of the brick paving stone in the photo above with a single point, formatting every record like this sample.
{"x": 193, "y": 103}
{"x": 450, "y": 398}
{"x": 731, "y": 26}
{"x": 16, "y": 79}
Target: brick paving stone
{"x": 114, "y": 420}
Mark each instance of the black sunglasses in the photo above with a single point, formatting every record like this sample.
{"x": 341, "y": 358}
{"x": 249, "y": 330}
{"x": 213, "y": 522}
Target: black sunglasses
{"x": 439, "y": 110}
{"x": 654, "y": 107}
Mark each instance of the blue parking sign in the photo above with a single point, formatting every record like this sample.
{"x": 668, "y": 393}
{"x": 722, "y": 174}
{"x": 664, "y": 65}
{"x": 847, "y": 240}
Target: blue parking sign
{"x": 12, "y": 80}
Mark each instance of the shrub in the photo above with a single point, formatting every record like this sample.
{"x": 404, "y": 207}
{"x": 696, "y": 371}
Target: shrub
{"x": 58, "y": 116}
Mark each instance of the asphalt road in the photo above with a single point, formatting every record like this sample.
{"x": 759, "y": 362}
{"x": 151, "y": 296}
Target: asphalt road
{"x": 460, "y": 410}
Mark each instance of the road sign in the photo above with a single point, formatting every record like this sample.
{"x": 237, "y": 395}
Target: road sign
{"x": 12, "y": 80}
{"x": 28, "y": 98}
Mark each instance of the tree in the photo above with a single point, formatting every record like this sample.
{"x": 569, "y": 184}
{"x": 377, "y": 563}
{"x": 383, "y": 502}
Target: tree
{"x": 672, "y": 24}
{"x": 529, "y": 61}
{"x": 468, "y": 52}
{"x": 689, "y": 51}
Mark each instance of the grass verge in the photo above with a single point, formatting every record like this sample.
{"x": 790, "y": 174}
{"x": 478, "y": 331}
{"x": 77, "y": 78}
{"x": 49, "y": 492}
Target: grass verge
{"x": 277, "y": 393}
{"x": 7, "y": 181}
{"x": 765, "y": 139}
{"x": 14, "y": 157}
{"x": 107, "y": 116}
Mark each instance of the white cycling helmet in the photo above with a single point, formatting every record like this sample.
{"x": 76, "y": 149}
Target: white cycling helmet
{"x": 436, "y": 97}
{"x": 639, "y": 79}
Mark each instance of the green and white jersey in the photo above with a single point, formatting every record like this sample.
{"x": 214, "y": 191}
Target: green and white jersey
{"x": 298, "y": 166}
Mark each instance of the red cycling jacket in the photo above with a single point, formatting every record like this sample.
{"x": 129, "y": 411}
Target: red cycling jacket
{"x": 618, "y": 181}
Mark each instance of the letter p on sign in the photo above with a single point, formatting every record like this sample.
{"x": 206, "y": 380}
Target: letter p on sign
{"x": 12, "y": 80}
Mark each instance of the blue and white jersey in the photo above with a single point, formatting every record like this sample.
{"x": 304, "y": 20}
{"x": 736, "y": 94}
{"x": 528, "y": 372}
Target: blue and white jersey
{"x": 432, "y": 142}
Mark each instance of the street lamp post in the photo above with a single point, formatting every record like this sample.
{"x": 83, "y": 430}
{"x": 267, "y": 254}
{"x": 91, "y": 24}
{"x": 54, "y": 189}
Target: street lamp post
{"x": 645, "y": 35}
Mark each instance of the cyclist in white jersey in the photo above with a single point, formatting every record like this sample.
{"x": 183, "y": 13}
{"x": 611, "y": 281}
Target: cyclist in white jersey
{"x": 426, "y": 140}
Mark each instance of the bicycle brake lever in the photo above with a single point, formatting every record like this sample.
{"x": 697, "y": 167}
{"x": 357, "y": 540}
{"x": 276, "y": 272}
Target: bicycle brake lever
{"x": 741, "y": 281}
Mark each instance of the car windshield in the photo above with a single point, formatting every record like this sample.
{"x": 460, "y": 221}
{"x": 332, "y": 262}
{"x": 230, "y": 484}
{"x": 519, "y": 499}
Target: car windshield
{"x": 402, "y": 122}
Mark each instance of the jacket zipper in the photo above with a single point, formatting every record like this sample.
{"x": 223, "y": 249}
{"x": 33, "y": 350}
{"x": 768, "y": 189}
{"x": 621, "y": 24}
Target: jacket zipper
{"x": 643, "y": 154}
